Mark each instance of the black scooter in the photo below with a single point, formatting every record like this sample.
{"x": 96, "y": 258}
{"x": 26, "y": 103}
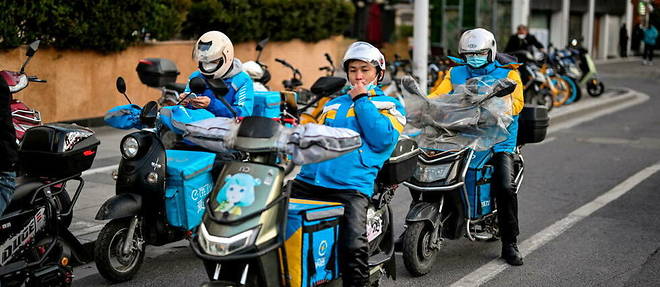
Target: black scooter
{"x": 36, "y": 244}
{"x": 137, "y": 211}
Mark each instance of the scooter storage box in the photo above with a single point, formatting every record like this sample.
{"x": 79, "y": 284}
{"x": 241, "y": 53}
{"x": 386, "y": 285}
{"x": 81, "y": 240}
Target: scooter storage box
{"x": 189, "y": 181}
{"x": 401, "y": 164}
{"x": 477, "y": 184}
{"x": 533, "y": 124}
{"x": 312, "y": 231}
{"x": 267, "y": 104}
{"x": 57, "y": 150}
{"x": 156, "y": 72}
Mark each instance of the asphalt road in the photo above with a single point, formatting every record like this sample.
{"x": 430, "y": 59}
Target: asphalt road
{"x": 616, "y": 245}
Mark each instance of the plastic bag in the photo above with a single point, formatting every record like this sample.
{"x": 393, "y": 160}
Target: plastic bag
{"x": 470, "y": 117}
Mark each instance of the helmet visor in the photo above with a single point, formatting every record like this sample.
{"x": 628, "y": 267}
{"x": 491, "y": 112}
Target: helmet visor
{"x": 212, "y": 66}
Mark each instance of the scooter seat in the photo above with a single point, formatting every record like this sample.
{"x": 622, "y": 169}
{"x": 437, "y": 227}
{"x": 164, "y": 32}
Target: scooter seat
{"x": 25, "y": 186}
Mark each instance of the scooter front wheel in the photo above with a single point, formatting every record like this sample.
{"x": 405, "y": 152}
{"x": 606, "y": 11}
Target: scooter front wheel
{"x": 419, "y": 250}
{"x": 595, "y": 88}
{"x": 112, "y": 262}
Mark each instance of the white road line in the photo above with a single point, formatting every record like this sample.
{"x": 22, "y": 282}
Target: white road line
{"x": 100, "y": 170}
{"x": 488, "y": 271}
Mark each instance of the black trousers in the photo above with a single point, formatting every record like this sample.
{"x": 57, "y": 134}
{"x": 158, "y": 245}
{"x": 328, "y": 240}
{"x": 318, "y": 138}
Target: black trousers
{"x": 648, "y": 52}
{"x": 353, "y": 245}
{"x": 505, "y": 196}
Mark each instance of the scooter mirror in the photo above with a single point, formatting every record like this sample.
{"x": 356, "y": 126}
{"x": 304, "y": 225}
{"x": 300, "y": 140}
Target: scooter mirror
{"x": 32, "y": 48}
{"x": 121, "y": 85}
{"x": 508, "y": 89}
{"x": 262, "y": 44}
{"x": 149, "y": 114}
{"x": 197, "y": 85}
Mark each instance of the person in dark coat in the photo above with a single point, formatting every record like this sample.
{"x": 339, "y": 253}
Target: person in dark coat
{"x": 636, "y": 39}
{"x": 623, "y": 41}
{"x": 522, "y": 41}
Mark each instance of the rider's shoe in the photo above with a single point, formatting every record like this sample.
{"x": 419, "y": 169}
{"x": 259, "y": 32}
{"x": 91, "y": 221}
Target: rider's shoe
{"x": 511, "y": 254}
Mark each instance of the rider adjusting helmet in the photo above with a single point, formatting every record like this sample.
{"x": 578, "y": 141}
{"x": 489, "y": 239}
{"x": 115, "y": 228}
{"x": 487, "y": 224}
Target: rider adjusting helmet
{"x": 214, "y": 54}
{"x": 477, "y": 47}
{"x": 365, "y": 52}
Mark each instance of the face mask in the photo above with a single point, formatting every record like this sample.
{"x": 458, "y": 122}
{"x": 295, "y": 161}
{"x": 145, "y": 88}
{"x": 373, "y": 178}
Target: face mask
{"x": 521, "y": 36}
{"x": 368, "y": 87}
{"x": 476, "y": 61}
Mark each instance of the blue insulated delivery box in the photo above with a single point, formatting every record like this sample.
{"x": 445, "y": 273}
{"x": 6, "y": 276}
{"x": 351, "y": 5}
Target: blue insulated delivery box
{"x": 267, "y": 104}
{"x": 477, "y": 184}
{"x": 189, "y": 181}
{"x": 311, "y": 233}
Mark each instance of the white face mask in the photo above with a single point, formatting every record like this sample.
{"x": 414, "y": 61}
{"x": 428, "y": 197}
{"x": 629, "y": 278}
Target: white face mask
{"x": 368, "y": 87}
{"x": 521, "y": 36}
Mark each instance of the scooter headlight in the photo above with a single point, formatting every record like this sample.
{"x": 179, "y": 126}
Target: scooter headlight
{"x": 431, "y": 173}
{"x": 223, "y": 246}
{"x": 130, "y": 147}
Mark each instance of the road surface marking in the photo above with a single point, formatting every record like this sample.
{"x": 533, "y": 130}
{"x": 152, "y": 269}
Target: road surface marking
{"x": 491, "y": 269}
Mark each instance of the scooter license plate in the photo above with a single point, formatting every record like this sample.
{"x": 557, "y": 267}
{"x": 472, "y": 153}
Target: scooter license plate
{"x": 374, "y": 225}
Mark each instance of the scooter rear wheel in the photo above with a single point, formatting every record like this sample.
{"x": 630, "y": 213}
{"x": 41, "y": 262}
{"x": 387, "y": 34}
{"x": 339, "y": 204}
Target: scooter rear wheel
{"x": 418, "y": 253}
{"x": 111, "y": 263}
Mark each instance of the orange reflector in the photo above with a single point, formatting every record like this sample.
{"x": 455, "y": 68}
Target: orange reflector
{"x": 64, "y": 261}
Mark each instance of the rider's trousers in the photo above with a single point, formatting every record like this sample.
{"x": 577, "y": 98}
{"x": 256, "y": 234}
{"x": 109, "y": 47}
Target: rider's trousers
{"x": 505, "y": 196}
{"x": 353, "y": 245}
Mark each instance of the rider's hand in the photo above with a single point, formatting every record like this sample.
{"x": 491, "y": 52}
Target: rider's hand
{"x": 185, "y": 98}
{"x": 200, "y": 102}
{"x": 357, "y": 90}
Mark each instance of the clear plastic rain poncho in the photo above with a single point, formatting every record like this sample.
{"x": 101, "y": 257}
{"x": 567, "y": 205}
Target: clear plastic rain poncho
{"x": 472, "y": 116}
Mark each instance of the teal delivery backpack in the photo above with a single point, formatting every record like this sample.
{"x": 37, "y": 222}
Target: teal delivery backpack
{"x": 189, "y": 181}
{"x": 311, "y": 234}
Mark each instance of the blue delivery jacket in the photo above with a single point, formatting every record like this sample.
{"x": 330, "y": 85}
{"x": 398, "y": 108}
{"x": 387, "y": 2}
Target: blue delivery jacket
{"x": 379, "y": 120}
{"x": 240, "y": 96}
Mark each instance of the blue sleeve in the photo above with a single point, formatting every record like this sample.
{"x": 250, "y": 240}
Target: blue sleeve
{"x": 378, "y": 127}
{"x": 217, "y": 108}
{"x": 244, "y": 98}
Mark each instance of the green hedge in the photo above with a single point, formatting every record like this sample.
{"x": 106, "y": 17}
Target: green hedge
{"x": 281, "y": 20}
{"x": 113, "y": 25}
{"x": 101, "y": 25}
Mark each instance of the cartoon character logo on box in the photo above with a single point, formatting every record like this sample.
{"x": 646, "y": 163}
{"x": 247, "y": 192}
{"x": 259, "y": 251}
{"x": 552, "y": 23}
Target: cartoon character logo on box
{"x": 237, "y": 192}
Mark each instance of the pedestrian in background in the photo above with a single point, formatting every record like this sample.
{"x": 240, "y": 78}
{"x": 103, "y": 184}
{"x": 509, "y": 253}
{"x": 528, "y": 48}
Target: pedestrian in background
{"x": 650, "y": 35}
{"x": 8, "y": 148}
{"x": 522, "y": 41}
{"x": 623, "y": 41}
{"x": 636, "y": 39}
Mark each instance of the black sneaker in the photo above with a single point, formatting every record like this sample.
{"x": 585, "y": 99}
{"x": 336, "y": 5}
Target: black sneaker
{"x": 511, "y": 254}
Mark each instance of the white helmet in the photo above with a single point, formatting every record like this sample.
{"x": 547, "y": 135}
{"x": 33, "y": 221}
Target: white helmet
{"x": 364, "y": 51}
{"x": 215, "y": 54}
{"x": 478, "y": 40}
{"x": 253, "y": 70}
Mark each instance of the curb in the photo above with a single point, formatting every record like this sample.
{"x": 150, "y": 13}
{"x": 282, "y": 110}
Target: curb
{"x": 595, "y": 108}
{"x": 569, "y": 112}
